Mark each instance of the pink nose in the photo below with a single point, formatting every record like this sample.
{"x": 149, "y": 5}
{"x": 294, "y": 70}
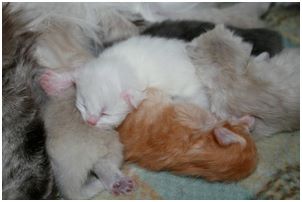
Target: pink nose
{"x": 92, "y": 120}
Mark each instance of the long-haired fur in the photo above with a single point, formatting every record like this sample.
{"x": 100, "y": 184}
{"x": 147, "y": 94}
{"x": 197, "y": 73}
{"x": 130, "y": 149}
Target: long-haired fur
{"x": 163, "y": 135}
{"x": 26, "y": 171}
{"x": 239, "y": 84}
{"x": 70, "y": 39}
{"x": 250, "y": 158}
{"x": 263, "y": 40}
{"x": 85, "y": 160}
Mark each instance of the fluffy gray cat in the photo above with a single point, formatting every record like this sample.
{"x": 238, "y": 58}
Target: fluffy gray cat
{"x": 26, "y": 172}
{"x": 238, "y": 84}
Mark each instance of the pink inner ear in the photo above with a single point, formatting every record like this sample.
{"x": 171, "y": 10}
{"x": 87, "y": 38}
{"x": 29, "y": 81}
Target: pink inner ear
{"x": 54, "y": 83}
{"x": 226, "y": 137}
{"x": 127, "y": 97}
{"x": 133, "y": 97}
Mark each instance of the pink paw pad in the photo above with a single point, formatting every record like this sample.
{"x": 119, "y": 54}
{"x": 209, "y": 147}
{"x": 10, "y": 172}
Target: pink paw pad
{"x": 123, "y": 186}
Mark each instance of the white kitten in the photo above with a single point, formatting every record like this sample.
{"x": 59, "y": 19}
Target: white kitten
{"x": 109, "y": 86}
{"x": 239, "y": 84}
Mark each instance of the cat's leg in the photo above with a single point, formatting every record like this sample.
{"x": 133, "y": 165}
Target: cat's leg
{"x": 92, "y": 187}
{"x": 116, "y": 26}
{"x": 219, "y": 49}
{"x": 73, "y": 182}
{"x": 112, "y": 177}
{"x": 107, "y": 169}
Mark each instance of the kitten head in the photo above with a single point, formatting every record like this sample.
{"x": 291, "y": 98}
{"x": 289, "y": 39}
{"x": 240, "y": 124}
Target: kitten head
{"x": 105, "y": 93}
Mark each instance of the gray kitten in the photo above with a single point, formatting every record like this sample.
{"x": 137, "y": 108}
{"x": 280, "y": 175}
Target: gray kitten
{"x": 26, "y": 172}
{"x": 239, "y": 84}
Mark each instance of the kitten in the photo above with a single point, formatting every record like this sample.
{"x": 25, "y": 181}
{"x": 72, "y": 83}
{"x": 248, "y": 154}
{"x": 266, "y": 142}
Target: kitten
{"x": 26, "y": 172}
{"x": 239, "y": 84}
{"x": 163, "y": 134}
{"x": 85, "y": 160}
{"x": 81, "y": 125}
{"x": 263, "y": 40}
{"x": 122, "y": 72}
{"x": 99, "y": 110}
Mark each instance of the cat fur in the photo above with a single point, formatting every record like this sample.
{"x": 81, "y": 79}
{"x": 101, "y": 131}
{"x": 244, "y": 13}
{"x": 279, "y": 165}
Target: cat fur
{"x": 122, "y": 72}
{"x": 164, "y": 134}
{"x": 263, "y": 40}
{"x": 238, "y": 84}
{"x": 26, "y": 172}
{"x": 85, "y": 160}
{"x": 80, "y": 173}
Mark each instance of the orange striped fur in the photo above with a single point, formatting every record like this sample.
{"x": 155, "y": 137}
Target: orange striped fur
{"x": 163, "y": 135}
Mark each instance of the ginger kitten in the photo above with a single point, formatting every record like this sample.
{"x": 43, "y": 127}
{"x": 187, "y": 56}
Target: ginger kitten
{"x": 162, "y": 134}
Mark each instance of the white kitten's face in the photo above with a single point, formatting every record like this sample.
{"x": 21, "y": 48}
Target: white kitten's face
{"x": 101, "y": 97}
{"x": 104, "y": 114}
{"x": 100, "y": 102}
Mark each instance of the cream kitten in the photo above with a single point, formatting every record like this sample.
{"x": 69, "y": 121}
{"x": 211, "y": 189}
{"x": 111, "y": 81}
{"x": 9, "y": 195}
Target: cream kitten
{"x": 111, "y": 85}
{"x": 85, "y": 160}
{"x": 239, "y": 84}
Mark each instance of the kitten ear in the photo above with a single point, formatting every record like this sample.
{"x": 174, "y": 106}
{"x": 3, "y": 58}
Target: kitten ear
{"x": 262, "y": 57}
{"x": 133, "y": 97}
{"x": 54, "y": 83}
{"x": 248, "y": 120}
{"x": 226, "y": 137}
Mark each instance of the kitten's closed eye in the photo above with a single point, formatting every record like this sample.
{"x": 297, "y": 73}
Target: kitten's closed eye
{"x": 104, "y": 112}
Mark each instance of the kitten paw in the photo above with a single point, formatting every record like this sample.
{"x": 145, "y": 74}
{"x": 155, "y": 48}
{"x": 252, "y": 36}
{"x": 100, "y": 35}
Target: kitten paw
{"x": 124, "y": 185}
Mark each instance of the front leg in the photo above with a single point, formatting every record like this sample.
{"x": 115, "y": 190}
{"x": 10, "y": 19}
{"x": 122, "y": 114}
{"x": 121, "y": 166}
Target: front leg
{"x": 112, "y": 177}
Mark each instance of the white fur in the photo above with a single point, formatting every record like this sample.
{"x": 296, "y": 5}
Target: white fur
{"x": 132, "y": 66}
{"x": 238, "y": 84}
